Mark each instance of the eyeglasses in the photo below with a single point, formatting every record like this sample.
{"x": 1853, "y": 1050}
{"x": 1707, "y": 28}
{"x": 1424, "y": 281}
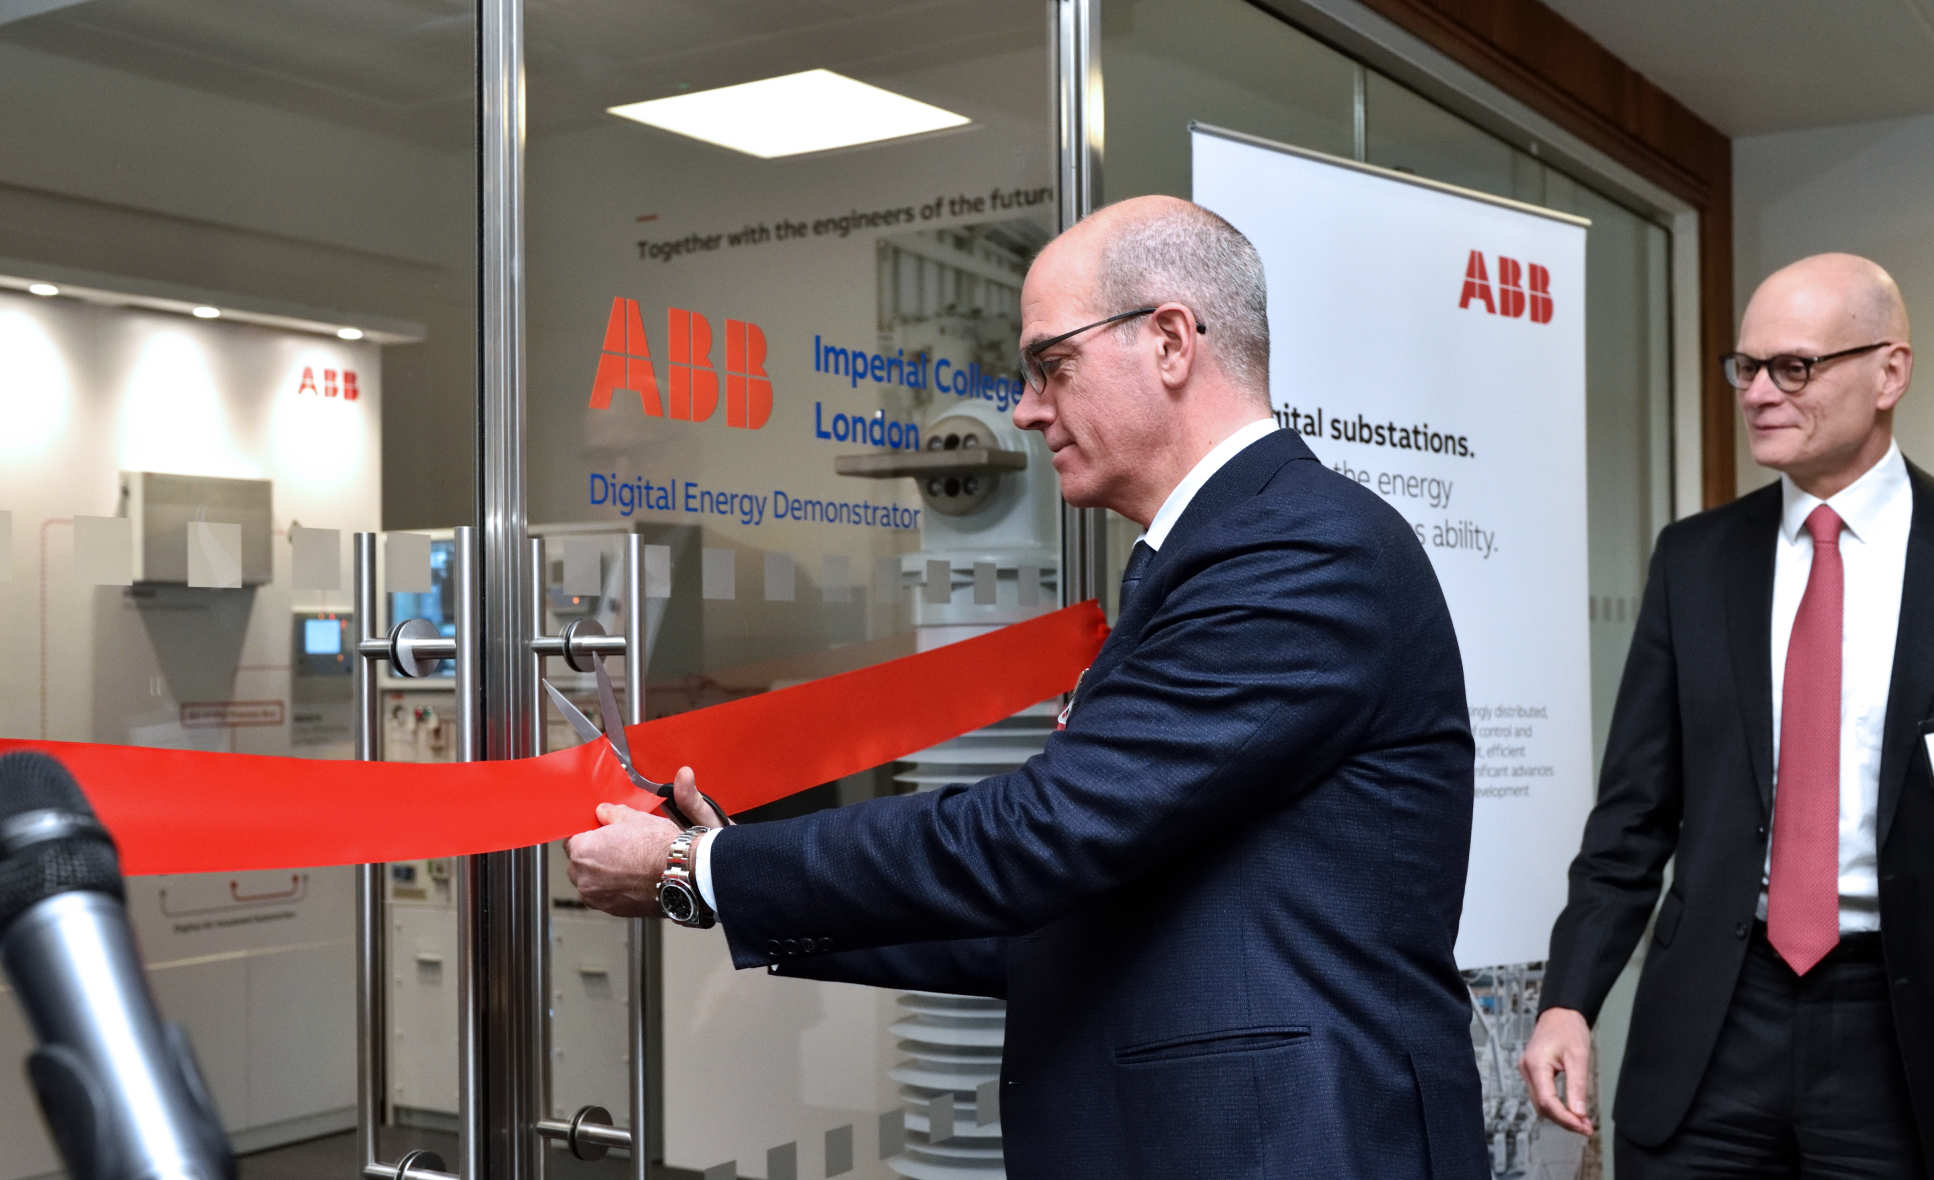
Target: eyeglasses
{"x": 1035, "y": 370}
{"x": 1789, "y": 373}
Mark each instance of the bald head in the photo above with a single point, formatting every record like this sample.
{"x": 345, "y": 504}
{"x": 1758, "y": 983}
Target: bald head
{"x": 1152, "y": 250}
{"x": 1835, "y": 325}
{"x": 1840, "y": 293}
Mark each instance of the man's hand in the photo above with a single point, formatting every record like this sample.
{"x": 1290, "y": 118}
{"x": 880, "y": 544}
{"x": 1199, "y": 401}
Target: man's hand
{"x": 1561, "y": 1044}
{"x": 616, "y": 867}
{"x": 685, "y": 794}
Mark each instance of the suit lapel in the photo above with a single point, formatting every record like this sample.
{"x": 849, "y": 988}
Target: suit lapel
{"x": 1746, "y": 562}
{"x": 1911, "y": 691}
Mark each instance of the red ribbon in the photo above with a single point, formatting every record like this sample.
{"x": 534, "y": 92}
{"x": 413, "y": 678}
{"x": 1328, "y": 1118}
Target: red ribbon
{"x": 189, "y": 811}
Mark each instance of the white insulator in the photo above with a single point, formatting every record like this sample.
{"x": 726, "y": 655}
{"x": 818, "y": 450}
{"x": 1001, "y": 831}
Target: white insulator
{"x": 953, "y": 1043}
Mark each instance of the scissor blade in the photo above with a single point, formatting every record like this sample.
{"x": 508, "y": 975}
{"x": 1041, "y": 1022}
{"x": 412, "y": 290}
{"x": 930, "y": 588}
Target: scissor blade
{"x": 614, "y": 732}
{"x": 614, "y": 722}
{"x": 581, "y": 724}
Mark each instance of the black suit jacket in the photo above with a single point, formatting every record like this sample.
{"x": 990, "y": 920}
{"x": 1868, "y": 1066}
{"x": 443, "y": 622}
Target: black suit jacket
{"x": 1689, "y": 768}
{"x": 1221, "y": 904}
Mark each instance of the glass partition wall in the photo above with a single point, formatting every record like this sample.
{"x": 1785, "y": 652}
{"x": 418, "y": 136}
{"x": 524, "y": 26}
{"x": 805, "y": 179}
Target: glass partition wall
{"x": 238, "y": 311}
{"x": 457, "y": 267}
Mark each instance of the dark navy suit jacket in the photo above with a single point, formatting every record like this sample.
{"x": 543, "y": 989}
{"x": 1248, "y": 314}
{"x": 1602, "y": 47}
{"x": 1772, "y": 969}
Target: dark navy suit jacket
{"x": 1221, "y": 904}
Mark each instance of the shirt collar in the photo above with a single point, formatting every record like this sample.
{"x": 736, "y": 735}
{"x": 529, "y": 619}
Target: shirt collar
{"x": 1862, "y": 504}
{"x": 1178, "y": 500}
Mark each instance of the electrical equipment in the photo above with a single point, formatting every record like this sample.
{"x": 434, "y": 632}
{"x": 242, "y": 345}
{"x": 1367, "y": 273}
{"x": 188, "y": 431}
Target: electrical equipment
{"x": 162, "y": 506}
{"x": 321, "y": 692}
{"x": 320, "y": 654}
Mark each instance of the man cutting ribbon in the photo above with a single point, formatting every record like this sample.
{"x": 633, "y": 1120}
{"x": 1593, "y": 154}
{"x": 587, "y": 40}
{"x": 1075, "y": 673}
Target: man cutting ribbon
{"x": 1221, "y": 903}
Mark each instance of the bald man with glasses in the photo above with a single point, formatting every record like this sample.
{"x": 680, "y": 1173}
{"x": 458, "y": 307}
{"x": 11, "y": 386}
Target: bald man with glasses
{"x": 1222, "y": 902}
{"x": 1770, "y": 733}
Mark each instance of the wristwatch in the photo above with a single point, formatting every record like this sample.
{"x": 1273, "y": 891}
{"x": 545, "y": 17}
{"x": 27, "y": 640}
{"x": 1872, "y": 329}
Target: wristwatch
{"x": 678, "y": 894}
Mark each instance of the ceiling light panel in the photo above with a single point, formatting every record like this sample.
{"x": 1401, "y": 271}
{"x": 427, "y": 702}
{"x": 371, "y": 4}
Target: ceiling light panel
{"x": 813, "y": 111}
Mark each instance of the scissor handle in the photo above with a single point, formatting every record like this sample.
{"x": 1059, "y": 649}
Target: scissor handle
{"x": 677, "y": 815}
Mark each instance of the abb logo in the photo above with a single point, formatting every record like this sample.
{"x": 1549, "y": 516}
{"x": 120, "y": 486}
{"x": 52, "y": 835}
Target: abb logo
{"x": 692, "y": 385}
{"x": 346, "y": 390}
{"x": 1520, "y": 287}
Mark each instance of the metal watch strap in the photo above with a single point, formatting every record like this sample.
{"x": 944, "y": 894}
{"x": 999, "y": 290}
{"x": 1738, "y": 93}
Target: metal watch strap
{"x": 681, "y": 868}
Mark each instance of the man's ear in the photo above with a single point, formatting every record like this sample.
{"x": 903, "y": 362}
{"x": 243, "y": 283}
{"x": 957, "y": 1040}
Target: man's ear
{"x": 1897, "y": 370}
{"x": 1177, "y": 343}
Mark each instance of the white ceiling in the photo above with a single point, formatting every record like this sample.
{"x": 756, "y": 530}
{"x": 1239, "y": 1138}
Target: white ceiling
{"x": 404, "y": 67}
{"x": 1753, "y": 67}
{"x": 407, "y": 67}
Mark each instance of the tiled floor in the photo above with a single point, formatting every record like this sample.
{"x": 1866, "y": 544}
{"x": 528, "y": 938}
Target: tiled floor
{"x": 333, "y": 1157}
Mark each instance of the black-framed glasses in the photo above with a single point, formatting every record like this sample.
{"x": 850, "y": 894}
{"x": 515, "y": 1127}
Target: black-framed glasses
{"x": 1035, "y": 371}
{"x": 1789, "y": 373}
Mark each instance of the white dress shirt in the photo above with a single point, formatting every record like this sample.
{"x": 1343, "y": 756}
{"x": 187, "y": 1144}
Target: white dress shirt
{"x": 1877, "y": 508}
{"x": 1205, "y": 467}
{"x": 1158, "y": 530}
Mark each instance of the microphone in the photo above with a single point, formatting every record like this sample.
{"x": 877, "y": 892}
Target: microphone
{"x": 119, "y": 1090}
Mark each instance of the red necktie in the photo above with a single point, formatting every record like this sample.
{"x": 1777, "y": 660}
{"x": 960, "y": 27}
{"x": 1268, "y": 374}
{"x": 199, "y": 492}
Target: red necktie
{"x": 1803, "y": 884}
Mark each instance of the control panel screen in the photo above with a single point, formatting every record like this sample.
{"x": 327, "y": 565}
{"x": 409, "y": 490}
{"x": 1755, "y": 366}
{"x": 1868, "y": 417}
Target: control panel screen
{"x": 321, "y": 637}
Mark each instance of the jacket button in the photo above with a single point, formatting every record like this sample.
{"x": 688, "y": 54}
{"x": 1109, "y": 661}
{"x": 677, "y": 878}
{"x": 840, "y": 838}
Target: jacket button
{"x": 772, "y": 946}
{"x": 1741, "y": 929}
{"x": 792, "y": 946}
{"x": 1760, "y": 830}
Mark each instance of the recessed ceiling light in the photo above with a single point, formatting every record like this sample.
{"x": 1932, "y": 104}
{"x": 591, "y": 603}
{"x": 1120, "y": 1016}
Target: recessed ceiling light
{"x": 207, "y": 313}
{"x": 811, "y": 111}
{"x": 42, "y": 289}
{"x": 349, "y": 333}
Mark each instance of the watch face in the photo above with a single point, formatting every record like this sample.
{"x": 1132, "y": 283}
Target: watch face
{"x": 676, "y": 901}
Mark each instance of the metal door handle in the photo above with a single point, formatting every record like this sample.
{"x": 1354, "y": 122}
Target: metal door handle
{"x": 412, "y": 650}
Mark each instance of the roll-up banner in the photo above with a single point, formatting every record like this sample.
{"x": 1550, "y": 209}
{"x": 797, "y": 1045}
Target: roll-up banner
{"x": 1429, "y": 343}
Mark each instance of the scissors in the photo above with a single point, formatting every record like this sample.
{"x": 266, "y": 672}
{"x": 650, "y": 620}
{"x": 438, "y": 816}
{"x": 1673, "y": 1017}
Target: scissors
{"x": 614, "y": 736}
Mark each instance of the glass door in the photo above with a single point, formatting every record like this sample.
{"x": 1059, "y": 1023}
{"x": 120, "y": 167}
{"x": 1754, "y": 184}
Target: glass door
{"x": 238, "y": 307}
{"x": 774, "y": 257}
